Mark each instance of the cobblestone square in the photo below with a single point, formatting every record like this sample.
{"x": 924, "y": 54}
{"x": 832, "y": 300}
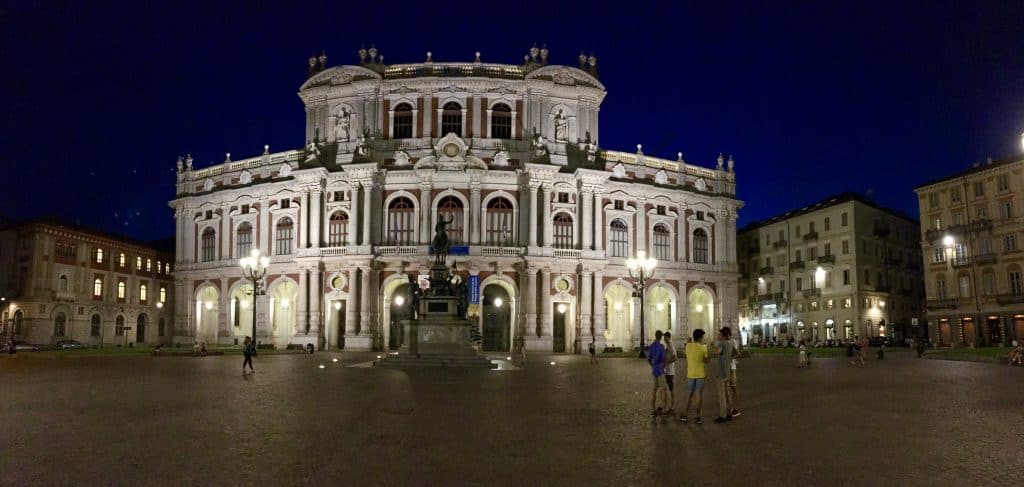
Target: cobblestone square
{"x": 189, "y": 421}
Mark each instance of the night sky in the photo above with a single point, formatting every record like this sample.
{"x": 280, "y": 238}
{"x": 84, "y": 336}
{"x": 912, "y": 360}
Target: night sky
{"x": 810, "y": 99}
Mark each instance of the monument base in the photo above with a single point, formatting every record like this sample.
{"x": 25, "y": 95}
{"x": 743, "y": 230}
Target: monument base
{"x": 358, "y": 343}
{"x": 439, "y": 338}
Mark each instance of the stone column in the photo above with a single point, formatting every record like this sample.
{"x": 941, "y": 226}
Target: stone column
{"x": 353, "y": 223}
{"x": 301, "y": 319}
{"x": 315, "y": 297}
{"x": 350, "y": 306}
{"x": 367, "y": 211}
{"x": 547, "y": 318}
{"x": 546, "y": 201}
{"x": 533, "y": 214}
{"x": 365, "y": 302}
{"x": 531, "y": 303}
{"x": 315, "y": 220}
{"x": 586, "y": 286}
{"x": 598, "y": 221}
{"x": 641, "y": 225}
{"x": 265, "y": 233}
{"x": 225, "y": 234}
{"x": 304, "y": 220}
{"x": 588, "y": 219}
{"x": 425, "y": 213}
{"x": 599, "y": 309}
{"x": 474, "y": 213}
{"x": 681, "y": 248}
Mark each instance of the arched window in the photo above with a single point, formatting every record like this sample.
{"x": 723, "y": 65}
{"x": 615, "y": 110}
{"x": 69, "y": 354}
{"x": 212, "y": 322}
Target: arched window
{"x": 562, "y": 231}
{"x": 618, "y": 239}
{"x": 450, "y": 208}
{"x": 62, "y": 284}
{"x": 499, "y": 222}
{"x": 94, "y": 328}
{"x": 97, "y": 287}
{"x": 209, "y": 246}
{"x": 451, "y": 119}
{"x": 162, "y": 327}
{"x": 662, "y": 242}
{"x": 403, "y": 122}
{"x": 401, "y": 224}
{"x": 700, "y": 246}
{"x": 19, "y": 319}
{"x": 149, "y": 265}
{"x": 99, "y": 256}
{"x": 283, "y": 244}
{"x": 338, "y": 230}
{"x": 163, "y": 294}
{"x": 119, "y": 326}
{"x": 243, "y": 240}
{"x": 122, "y": 260}
{"x": 59, "y": 325}
{"x": 501, "y": 122}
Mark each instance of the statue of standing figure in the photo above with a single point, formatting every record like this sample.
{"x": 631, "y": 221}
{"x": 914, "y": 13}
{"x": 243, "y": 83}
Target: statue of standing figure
{"x": 441, "y": 242}
{"x": 561, "y": 127}
{"x": 343, "y": 125}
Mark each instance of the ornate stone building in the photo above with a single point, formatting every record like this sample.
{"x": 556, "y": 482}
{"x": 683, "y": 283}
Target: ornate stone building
{"x": 62, "y": 281}
{"x": 543, "y": 218}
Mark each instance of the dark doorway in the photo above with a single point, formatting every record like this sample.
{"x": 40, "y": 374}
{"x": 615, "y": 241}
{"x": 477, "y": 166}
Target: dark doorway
{"x": 496, "y": 316}
{"x": 558, "y": 338}
{"x": 338, "y": 322}
{"x": 994, "y": 331}
{"x": 970, "y": 335}
{"x": 140, "y": 330}
{"x": 399, "y": 312}
{"x": 945, "y": 334}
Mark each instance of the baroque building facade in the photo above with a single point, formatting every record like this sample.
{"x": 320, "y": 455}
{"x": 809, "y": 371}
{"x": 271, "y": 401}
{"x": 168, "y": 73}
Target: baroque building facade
{"x": 543, "y": 219}
{"x": 973, "y": 255}
{"x": 834, "y": 270}
{"x": 65, "y": 282}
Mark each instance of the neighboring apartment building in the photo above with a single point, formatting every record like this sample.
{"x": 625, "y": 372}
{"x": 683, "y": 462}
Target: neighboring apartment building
{"x": 837, "y": 269}
{"x": 973, "y": 254}
{"x": 62, "y": 281}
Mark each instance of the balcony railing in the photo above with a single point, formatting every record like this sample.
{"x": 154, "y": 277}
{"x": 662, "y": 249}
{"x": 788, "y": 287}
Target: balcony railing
{"x": 813, "y": 292}
{"x": 810, "y": 236}
{"x": 779, "y": 244}
{"x": 766, "y": 271}
{"x": 945, "y": 303}
{"x": 826, "y": 259}
{"x": 796, "y": 265}
{"x": 962, "y": 262}
{"x": 501, "y": 251}
{"x": 333, "y": 251}
{"x": 1010, "y": 298}
{"x": 567, "y": 253}
{"x": 401, "y": 250}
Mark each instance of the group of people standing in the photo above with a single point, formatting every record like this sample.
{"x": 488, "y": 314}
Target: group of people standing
{"x": 662, "y": 357}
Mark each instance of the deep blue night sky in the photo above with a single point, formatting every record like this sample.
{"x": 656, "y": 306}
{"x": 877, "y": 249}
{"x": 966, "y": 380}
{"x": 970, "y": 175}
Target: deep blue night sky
{"x": 811, "y": 100}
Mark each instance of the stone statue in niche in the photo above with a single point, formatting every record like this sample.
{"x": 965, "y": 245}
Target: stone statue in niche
{"x": 208, "y": 184}
{"x": 245, "y": 177}
{"x": 701, "y": 185}
{"x": 619, "y": 171}
{"x": 343, "y": 125}
{"x": 401, "y": 158}
{"x": 661, "y": 177}
{"x": 286, "y": 169}
{"x": 561, "y": 126}
{"x": 312, "y": 152}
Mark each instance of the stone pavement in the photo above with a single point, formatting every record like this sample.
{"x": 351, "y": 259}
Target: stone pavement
{"x": 182, "y": 420}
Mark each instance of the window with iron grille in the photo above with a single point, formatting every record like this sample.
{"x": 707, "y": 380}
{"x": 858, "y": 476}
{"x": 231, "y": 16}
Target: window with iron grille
{"x": 662, "y": 242}
{"x": 562, "y": 231}
{"x": 209, "y": 245}
{"x": 283, "y": 244}
{"x": 338, "y": 229}
{"x": 501, "y": 122}
{"x": 450, "y": 209}
{"x": 499, "y": 222}
{"x": 400, "y": 222}
{"x": 700, "y": 246}
{"x": 402, "y": 124}
{"x": 618, "y": 239}
{"x": 451, "y": 119}
{"x": 243, "y": 240}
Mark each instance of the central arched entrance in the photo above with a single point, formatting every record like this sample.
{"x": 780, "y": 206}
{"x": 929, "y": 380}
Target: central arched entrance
{"x": 398, "y": 311}
{"x": 283, "y": 303}
{"x": 207, "y": 313}
{"x": 496, "y": 319}
{"x": 618, "y": 300}
{"x": 702, "y": 311}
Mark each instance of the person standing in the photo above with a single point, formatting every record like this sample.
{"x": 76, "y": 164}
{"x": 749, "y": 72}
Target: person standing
{"x": 696, "y": 356}
{"x": 248, "y": 350}
{"x": 726, "y": 351}
{"x": 670, "y": 373}
{"x": 732, "y": 375}
{"x": 656, "y": 357}
{"x": 863, "y": 345}
{"x": 593, "y": 352}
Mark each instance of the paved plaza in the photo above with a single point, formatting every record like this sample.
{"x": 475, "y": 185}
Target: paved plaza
{"x": 184, "y": 421}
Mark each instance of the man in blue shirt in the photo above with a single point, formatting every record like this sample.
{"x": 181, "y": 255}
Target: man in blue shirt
{"x": 656, "y": 357}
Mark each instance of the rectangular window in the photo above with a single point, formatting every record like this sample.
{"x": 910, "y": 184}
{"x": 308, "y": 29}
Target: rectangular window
{"x": 798, "y": 234}
{"x": 830, "y": 304}
{"x": 846, "y": 277}
{"x": 965, "y": 287}
{"x": 782, "y": 285}
{"x": 120, "y": 289}
{"x": 939, "y": 254}
{"x": 284, "y": 238}
{"x": 1009, "y": 242}
{"x": 660, "y": 209}
{"x": 846, "y": 247}
{"x": 243, "y": 240}
{"x": 245, "y": 209}
{"x": 847, "y": 303}
{"x": 209, "y": 245}
{"x": 954, "y": 195}
{"x": 149, "y": 265}
{"x": 700, "y": 215}
{"x": 1015, "y": 284}
{"x": 620, "y": 205}
{"x": 979, "y": 189}
{"x": 940, "y": 289}
{"x": 828, "y": 249}
{"x": 799, "y": 284}
{"x": 812, "y": 253}
{"x": 138, "y": 263}
{"x": 1005, "y": 210}
{"x": 867, "y": 277}
{"x": 563, "y": 197}
{"x": 286, "y": 204}
{"x": 988, "y": 284}
{"x": 958, "y": 218}
{"x": 143, "y": 293}
{"x": 97, "y": 287}
{"x": 933, "y": 200}
{"x": 981, "y": 212}
{"x": 985, "y": 245}
{"x": 1002, "y": 182}
{"x": 662, "y": 243}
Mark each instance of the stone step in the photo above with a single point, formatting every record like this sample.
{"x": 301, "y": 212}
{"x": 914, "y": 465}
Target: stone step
{"x": 452, "y": 361}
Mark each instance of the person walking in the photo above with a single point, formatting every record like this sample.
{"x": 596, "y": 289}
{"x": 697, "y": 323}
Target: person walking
{"x": 732, "y": 375}
{"x": 656, "y": 357}
{"x": 696, "y": 356}
{"x": 593, "y": 352}
{"x": 863, "y": 344}
{"x": 248, "y": 350}
{"x": 726, "y": 351}
{"x": 670, "y": 373}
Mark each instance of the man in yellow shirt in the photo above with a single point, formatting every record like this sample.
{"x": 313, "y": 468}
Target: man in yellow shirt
{"x": 696, "y": 372}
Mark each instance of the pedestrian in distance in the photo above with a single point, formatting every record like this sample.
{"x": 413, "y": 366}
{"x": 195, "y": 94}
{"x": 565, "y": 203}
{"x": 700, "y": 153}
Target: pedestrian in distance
{"x": 656, "y": 358}
{"x": 803, "y": 355}
{"x": 732, "y": 376}
{"x": 593, "y": 352}
{"x": 696, "y": 358}
{"x": 670, "y": 373}
{"x": 726, "y": 352}
{"x": 248, "y": 350}
{"x": 864, "y": 345}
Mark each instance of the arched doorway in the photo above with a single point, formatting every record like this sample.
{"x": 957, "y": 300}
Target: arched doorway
{"x": 660, "y": 310}
{"x": 398, "y": 311}
{"x": 241, "y": 312}
{"x": 497, "y": 319}
{"x": 701, "y": 311}
{"x": 283, "y": 301}
{"x": 207, "y": 314}
{"x": 618, "y": 301}
{"x": 140, "y": 329}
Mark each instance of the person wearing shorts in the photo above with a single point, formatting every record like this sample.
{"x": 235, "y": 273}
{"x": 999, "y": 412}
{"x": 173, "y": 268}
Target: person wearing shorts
{"x": 696, "y": 373}
{"x": 656, "y": 357}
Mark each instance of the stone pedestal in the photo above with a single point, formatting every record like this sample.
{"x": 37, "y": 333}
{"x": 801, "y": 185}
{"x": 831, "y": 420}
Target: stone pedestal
{"x": 358, "y": 343}
{"x": 439, "y": 338}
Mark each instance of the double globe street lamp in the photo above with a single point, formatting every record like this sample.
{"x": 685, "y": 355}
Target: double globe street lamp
{"x": 640, "y": 269}
{"x": 254, "y": 268}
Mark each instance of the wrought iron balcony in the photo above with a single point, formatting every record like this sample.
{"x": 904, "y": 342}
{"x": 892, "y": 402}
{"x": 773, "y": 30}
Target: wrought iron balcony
{"x": 962, "y": 262}
{"x": 1010, "y": 298}
{"x": 796, "y": 265}
{"x": 813, "y": 292}
{"x": 945, "y": 303}
{"x": 766, "y": 271}
{"x": 826, "y": 259}
{"x": 810, "y": 236}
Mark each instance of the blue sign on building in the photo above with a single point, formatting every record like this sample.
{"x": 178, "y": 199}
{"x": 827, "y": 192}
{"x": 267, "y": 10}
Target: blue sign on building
{"x": 474, "y": 289}
{"x": 454, "y": 250}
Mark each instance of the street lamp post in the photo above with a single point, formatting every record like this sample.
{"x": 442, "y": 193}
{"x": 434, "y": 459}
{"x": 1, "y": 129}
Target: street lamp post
{"x": 254, "y": 268}
{"x": 640, "y": 269}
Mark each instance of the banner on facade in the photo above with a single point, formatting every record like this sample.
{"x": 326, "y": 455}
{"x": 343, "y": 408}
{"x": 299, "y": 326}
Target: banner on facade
{"x": 454, "y": 250}
{"x": 474, "y": 289}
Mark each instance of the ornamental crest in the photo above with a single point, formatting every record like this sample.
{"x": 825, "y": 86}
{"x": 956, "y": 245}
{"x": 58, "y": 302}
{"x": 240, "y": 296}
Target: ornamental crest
{"x": 563, "y": 77}
{"x": 341, "y": 79}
